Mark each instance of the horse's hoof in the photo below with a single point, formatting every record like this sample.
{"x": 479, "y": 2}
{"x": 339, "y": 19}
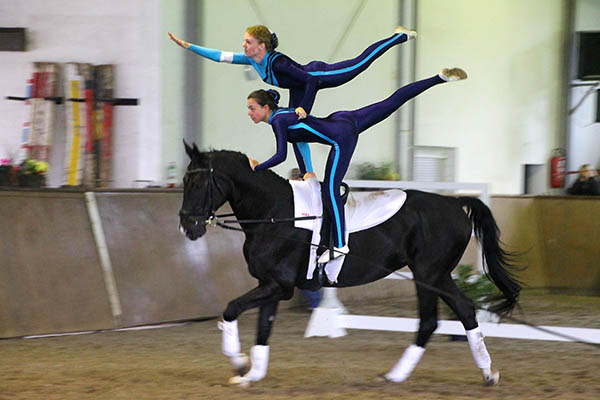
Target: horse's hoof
{"x": 493, "y": 379}
{"x": 240, "y": 381}
{"x": 382, "y": 378}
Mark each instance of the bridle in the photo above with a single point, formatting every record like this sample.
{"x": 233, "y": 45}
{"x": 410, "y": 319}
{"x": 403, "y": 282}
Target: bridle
{"x": 212, "y": 184}
{"x": 213, "y": 218}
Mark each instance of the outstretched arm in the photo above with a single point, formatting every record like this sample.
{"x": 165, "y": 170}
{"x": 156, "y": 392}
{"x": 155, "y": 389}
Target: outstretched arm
{"x": 212, "y": 54}
{"x": 281, "y": 153}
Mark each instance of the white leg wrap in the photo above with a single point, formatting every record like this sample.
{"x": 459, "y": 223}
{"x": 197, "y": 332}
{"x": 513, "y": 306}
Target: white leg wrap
{"x": 230, "y": 344}
{"x": 259, "y": 356}
{"x": 478, "y": 349}
{"x": 405, "y": 366}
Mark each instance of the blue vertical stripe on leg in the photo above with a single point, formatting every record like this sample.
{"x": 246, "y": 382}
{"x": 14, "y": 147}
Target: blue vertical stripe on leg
{"x": 336, "y": 158}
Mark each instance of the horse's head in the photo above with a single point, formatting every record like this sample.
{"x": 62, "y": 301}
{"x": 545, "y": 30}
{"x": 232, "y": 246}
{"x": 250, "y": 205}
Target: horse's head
{"x": 202, "y": 194}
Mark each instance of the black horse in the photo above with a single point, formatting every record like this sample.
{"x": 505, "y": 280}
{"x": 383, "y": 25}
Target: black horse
{"x": 429, "y": 234}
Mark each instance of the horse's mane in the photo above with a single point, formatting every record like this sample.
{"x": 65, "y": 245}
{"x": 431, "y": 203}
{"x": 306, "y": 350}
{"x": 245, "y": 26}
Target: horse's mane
{"x": 235, "y": 160}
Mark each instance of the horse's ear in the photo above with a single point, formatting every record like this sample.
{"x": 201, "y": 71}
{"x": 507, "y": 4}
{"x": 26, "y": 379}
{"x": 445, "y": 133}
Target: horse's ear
{"x": 196, "y": 149}
{"x": 188, "y": 149}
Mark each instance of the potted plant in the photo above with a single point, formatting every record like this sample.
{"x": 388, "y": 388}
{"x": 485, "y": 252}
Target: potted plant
{"x": 372, "y": 172}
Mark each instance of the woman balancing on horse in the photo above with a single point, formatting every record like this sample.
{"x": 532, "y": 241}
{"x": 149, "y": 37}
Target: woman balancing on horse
{"x": 339, "y": 130}
{"x": 280, "y": 70}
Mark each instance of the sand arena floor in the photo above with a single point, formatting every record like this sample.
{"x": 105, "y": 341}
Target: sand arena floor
{"x": 185, "y": 362}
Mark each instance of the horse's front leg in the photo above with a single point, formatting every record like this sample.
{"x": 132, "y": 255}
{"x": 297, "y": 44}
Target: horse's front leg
{"x": 259, "y": 354}
{"x": 265, "y": 296}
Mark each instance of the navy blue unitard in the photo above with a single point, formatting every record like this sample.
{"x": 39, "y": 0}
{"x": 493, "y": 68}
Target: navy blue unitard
{"x": 279, "y": 70}
{"x": 339, "y": 130}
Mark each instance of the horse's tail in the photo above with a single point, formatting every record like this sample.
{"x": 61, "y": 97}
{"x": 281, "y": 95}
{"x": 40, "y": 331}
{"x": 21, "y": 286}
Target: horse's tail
{"x": 499, "y": 264}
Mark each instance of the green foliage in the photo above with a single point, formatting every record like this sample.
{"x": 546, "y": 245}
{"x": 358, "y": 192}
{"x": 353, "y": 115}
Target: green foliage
{"x": 475, "y": 286}
{"x": 372, "y": 172}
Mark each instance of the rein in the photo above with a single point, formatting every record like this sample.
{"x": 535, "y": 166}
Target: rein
{"x": 213, "y": 218}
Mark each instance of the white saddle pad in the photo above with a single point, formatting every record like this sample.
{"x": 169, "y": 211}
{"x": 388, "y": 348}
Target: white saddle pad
{"x": 363, "y": 210}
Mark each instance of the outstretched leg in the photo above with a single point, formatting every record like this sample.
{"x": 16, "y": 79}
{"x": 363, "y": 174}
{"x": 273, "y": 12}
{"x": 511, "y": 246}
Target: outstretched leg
{"x": 464, "y": 310}
{"x": 332, "y": 75}
{"x": 372, "y": 114}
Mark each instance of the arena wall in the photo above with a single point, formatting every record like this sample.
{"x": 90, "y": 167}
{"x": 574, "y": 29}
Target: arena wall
{"x": 557, "y": 236}
{"x": 52, "y": 278}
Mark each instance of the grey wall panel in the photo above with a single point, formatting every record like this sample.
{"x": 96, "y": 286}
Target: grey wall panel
{"x": 50, "y": 277}
{"x": 160, "y": 274}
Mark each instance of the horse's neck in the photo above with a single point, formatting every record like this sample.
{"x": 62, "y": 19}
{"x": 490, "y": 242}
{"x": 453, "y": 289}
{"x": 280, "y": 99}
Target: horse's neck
{"x": 255, "y": 197}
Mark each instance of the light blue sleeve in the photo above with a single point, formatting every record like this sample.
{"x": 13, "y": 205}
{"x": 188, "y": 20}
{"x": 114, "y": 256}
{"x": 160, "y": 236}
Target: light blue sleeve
{"x": 220, "y": 56}
{"x": 305, "y": 151}
{"x": 240, "y": 58}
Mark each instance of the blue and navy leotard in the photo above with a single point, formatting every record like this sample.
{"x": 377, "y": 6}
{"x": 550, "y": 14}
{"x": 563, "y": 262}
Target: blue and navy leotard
{"x": 304, "y": 81}
{"x": 339, "y": 130}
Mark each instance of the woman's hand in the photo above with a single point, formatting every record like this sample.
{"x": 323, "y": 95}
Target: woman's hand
{"x": 300, "y": 113}
{"x": 180, "y": 42}
{"x": 253, "y": 163}
{"x": 309, "y": 175}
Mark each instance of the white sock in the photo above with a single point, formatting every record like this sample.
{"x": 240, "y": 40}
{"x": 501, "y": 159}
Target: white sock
{"x": 230, "y": 345}
{"x": 405, "y": 366}
{"x": 478, "y": 349}
{"x": 259, "y": 356}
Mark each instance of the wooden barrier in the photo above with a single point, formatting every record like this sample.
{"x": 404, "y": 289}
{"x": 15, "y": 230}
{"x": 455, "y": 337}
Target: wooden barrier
{"x": 53, "y": 278}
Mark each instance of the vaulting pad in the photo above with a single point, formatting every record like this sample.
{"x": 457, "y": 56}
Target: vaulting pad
{"x": 363, "y": 210}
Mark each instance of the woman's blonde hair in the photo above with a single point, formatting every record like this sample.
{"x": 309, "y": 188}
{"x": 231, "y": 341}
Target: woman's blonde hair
{"x": 264, "y": 35}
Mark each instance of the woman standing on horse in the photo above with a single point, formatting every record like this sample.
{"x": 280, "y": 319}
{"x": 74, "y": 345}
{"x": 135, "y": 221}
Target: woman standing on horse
{"x": 280, "y": 70}
{"x": 339, "y": 130}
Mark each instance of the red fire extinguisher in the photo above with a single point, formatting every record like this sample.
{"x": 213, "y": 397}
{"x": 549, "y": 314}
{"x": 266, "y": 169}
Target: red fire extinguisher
{"x": 557, "y": 168}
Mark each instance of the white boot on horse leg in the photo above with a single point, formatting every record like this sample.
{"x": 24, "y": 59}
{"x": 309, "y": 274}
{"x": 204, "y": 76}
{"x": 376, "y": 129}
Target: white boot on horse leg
{"x": 405, "y": 366}
{"x": 259, "y": 357}
{"x": 482, "y": 357}
{"x": 230, "y": 346}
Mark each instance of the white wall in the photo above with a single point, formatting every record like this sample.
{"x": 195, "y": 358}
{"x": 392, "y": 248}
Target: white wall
{"x": 117, "y": 32}
{"x": 506, "y": 113}
{"x": 172, "y": 85}
{"x": 306, "y": 33}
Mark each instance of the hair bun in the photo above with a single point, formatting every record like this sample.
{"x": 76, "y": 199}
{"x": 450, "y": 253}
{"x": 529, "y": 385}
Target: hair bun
{"x": 274, "y": 40}
{"x": 275, "y": 95}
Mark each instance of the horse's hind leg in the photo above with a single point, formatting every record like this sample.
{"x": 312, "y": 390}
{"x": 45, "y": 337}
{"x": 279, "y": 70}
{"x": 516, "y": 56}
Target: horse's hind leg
{"x": 427, "y": 325}
{"x": 464, "y": 310}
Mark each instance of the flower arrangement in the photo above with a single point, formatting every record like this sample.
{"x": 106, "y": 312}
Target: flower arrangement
{"x": 30, "y": 173}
